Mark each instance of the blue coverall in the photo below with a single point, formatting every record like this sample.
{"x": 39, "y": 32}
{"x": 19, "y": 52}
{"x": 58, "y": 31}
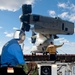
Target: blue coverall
{"x": 12, "y": 54}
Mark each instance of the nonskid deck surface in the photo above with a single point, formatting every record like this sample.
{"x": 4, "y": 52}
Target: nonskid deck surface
{"x": 60, "y": 58}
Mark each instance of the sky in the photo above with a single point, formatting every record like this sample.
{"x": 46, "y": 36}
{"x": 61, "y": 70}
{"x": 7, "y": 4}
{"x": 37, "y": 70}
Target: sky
{"x": 10, "y": 10}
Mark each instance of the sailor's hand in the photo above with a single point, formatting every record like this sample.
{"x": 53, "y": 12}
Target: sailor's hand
{"x": 63, "y": 43}
{"x": 25, "y": 68}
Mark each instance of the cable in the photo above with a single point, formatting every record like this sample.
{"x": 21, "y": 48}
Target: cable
{"x": 63, "y": 51}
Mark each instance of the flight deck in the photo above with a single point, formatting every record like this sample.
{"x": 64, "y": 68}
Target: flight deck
{"x": 60, "y": 58}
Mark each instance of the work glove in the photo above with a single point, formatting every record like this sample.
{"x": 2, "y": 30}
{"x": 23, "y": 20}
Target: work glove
{"x": 24, "y": 67}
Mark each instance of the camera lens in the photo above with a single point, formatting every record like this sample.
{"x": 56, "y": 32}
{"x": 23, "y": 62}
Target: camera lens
{"x": 45, "y": 70}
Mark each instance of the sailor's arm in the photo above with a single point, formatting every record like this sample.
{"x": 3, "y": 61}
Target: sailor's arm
{"x": 59, "y": 45}
{"x": 47, "y": 49}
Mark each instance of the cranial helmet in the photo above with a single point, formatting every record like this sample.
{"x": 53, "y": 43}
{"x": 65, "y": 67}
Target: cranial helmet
{"x": 18, "y": 34}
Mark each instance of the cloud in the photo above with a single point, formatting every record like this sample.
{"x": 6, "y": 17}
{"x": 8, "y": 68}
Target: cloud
{"x": 62, "y": 5}
{"x": 67, "y": 48}
{"x": 67, "y": 42}
{"x": 52, "y": 13}
{"x": 29, "y": 1}
{"x": 63, "y": 15}
{"x": 15, "y": 28}
{"x": 68, "y": 11}
{"x": 13, "y": 5}
{"x": 1, "y": 27}
{"x": 26, "y": 50}
{"x": 0, "y": 42}
{"x": 8, "y": 34}
{"x": 72, "y": 17}
{"x": 29, "y": 39}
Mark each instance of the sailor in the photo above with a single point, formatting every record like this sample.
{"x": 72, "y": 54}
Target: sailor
{"x": 12, "y": 55}
{"x": 51, "y": 49}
